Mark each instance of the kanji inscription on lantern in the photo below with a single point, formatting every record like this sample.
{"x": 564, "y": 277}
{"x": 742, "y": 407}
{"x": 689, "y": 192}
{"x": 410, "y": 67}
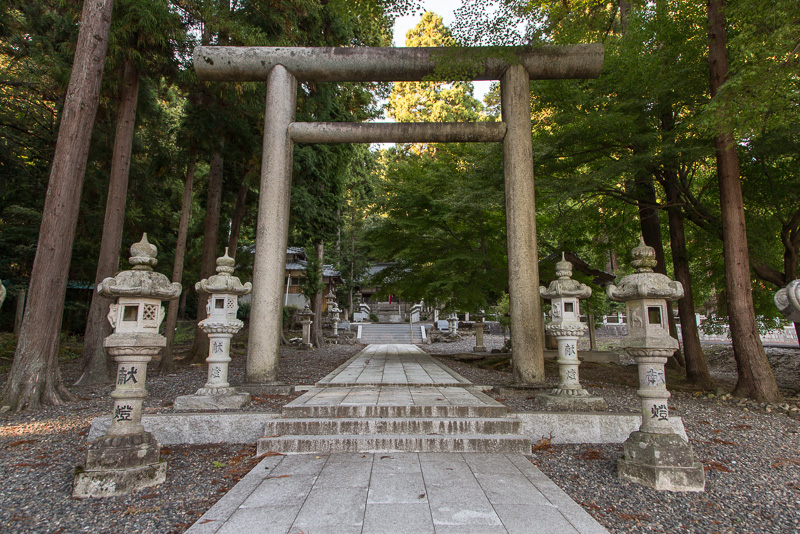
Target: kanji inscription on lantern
{"x": 216, "y": 347}
{"x": 126, "y": 375}
{"x": 123, "y": 412}
{"x": 569, "y": 349}
{"x": 215, "y": 372}
{"x": 572, "y": 374}
{"x": 655, "y": 377}
{"x": 659, "y": 411}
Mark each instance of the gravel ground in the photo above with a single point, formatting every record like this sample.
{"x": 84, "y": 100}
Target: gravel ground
{"x": 751, "y": 452}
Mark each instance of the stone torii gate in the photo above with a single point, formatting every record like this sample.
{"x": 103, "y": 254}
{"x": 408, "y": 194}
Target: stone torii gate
{"x": 282, "y": 68}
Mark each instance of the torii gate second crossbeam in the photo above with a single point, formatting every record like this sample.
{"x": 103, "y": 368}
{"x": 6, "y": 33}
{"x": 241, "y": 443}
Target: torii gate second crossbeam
{"x": 282, "y": 67}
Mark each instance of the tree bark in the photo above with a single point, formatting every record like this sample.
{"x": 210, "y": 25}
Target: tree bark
{"x": 209, "y": 258}
{"x": 755, "y": 377}
{"x": 20, "y": 310}
{"x": 94, "y": 362}
{"x": 316, "y": 327}
{"x": 35, "y": 378}
{"x": 238, "y": 216}
{"x": 167, "y": 359}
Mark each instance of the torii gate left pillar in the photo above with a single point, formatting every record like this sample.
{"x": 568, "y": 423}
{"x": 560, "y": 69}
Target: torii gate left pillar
{"x": 282, "y": 67}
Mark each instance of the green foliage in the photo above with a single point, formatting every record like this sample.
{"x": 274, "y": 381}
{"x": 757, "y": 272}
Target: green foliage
{"x": 440, "y": 217}
{"x": 432, "y": 101}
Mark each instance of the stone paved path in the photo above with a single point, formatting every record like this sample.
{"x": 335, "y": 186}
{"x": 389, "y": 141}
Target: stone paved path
{"x": 397, "y": 492}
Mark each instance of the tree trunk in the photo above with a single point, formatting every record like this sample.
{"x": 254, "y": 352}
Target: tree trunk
{"x": 35, "y": 378}
{"x": 756, "y": 379}
{"x": 94, "y": 362}
{"x": 238, "y": 217}
{"x": 316, "y": 327}
{"x": 167, "y": 359}
{"x": 695, "y": 362}
{"x": 209, "y": 259}
{"x": 696, "y": 370}
{"x": 20, "y": 310}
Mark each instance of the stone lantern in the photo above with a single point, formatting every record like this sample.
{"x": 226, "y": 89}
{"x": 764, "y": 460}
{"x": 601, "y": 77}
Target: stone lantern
{"x": 654, "y": 455}
{"x": 565, "y": 325}
{"x": 220, "y": 325}
{"x": 452, "y": 324}
{"x": 333, "y": 311}
{"x": 305, "y": 320}
{"x": 788, "y": 301}
{"x": 127, "y": 458}
{"x": 479, "y": 325}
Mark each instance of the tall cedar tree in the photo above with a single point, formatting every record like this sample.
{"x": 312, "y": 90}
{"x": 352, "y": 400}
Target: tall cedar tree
{"x": 35, "y": 378}
{"x": 756, "y": 379}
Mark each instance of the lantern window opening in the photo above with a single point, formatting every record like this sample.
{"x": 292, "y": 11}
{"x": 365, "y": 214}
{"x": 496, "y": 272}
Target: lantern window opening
{"x": 219, "y": 304}
{"x": 654, "y": 315}
{"x": 569, "y": 307}
{"x": 130, "y": 314}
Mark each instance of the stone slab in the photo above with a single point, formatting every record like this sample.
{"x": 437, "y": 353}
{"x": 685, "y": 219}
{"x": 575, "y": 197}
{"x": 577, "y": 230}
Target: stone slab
{"x": 266, "y": 389}
{"x": 196, "y": 428}
{"x": 191, "y": 403}
{"x": 588, "y": 427}
{"x": 405, "y": 492}
{"x": 570, "y": 403}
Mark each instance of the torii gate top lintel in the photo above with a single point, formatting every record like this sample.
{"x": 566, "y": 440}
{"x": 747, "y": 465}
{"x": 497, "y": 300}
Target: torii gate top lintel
{"x": 372, "y": 64}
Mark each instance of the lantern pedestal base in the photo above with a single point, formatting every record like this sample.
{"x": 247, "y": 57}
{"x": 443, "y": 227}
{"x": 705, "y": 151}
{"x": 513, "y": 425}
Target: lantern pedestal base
{"x": 232, "y": 400}
{"x": 573, "y": 403}
{"x": 479, "y": 348}
{"x": 660, "y": 461}
{"x": 119, "y": 465}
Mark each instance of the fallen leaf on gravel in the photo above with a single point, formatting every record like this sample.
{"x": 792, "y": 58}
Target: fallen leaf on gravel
{"x": 743, "y": 427}
{"x": 543, "y": 444}
{"x": 204, "y": 521}
{"x": 634, "y": 517}
{"x": 591, "y": 454}
{"x": 28, "y": 464}
{"x": 20, "y": 442}
{"x": 165, "y": 450}
{"x": 711, "y": 465}
{"x": 723, "y": 442}
{"x": 591, "y": 506}
{"x": 785, "y": 461}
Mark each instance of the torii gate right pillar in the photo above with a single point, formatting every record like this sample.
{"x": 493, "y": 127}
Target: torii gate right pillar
{"x": 523, "y": 258}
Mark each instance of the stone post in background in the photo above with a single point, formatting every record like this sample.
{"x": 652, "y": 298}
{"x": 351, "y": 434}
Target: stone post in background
{"x": 333, "y": 312}
{"x": 565, "y": 325}
{"x": 479, "y": 326}
{"x": 305, "y": 320}
{"x": 220, "y": 325}
{"x": 127, "y": 458}
{"x": 654, "y": 455}
{"x": 2, "y": 293}
{"x": 788, "y": 301}
{"x": 452, "y": 325}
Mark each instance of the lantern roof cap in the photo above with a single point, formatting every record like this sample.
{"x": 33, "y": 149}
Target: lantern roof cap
{"x": 644, "y": 283}
{"x": 141, "y": 280}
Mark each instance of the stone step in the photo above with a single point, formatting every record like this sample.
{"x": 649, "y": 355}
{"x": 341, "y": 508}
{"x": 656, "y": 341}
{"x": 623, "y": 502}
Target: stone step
{"x": 409, "y": 426}
{"x": 511, "y": 444}
{"x": 398, "y": 412}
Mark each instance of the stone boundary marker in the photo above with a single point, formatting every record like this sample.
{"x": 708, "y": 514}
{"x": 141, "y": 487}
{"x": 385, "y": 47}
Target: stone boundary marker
{"x": 200, "y": 428}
